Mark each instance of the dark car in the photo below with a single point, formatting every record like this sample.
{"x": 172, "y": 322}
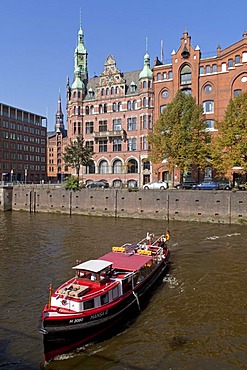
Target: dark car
{"x": 98, "y": 184}
{"x": 210, "y": 185}
{"x": 186, "y": 185}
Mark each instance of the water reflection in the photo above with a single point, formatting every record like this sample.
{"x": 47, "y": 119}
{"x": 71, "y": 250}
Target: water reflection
{"x": 195, "y": 320}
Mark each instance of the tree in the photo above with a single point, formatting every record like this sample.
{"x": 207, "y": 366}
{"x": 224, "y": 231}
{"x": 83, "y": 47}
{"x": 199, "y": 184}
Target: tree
{"x": 76, "y": 154}
{"x": 230, "y": 146}
{"x": 180, "y": 135}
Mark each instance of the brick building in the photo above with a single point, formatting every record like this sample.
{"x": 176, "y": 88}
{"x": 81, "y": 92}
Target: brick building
{"x": 114, "y": 112}
{"x": 211, "y": 79}
{"x": 23, "y": 137}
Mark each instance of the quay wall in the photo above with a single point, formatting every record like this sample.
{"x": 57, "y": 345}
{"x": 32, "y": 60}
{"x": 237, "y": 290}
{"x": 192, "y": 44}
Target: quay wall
{"x": 186, "y": 205}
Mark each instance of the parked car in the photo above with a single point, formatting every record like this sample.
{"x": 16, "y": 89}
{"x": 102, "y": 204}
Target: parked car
{"x": 186, "y": 185}
{"x": 210, "y": 185}
{"x": 242, "y": 186}
{"x": 98, "y": 184}
{"x": 224, "y": 185}
{"x": 156, "y": 185}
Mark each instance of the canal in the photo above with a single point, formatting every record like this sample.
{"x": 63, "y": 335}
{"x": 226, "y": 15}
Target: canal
{"x": 196, "y": 319}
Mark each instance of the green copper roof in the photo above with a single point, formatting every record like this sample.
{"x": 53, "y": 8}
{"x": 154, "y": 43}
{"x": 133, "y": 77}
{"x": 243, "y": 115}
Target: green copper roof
{"x": 78, "y": 83}
{"x": 146, "y": 72}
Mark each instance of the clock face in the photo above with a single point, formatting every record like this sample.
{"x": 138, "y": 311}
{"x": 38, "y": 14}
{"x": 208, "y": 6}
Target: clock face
{"x": 81, "y": 58}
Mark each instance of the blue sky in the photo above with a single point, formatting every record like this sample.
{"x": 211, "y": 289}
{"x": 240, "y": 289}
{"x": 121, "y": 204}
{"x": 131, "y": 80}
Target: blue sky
{"x": 38, "y": 38}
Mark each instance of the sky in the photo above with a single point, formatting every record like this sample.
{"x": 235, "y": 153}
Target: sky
{"x": 38, "y": 38}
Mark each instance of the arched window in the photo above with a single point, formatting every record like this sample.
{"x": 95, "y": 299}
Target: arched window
{"x": 119, "y": 107}
{"x": 185, "y": 75}
{"x": 87, "y": 109}
{"x": 129, "y": 105}
{"x": 158, "y": 76}
{"x": 144, "y": 102}
{"x": 117, "y": 166}
{"x": 132, "y": 166}
{"x": 90, "y": 168}
{"x": 208, "y": 106}
{"x": 91, "y": 109}
{"x": 117, "y": 90}
{"x": 114, "y": 107}
{"x": 100, "y": 108}
{"x": 144, "y": 84}
{"x": 134, "y": 105}
{"x": 107, "y": 91}
{"x": 149, "y": 102}
{"x": 105, "y": 108}
{"x": 102, "y": 92}
{"x": 103, "y": 167}
{"x": 112, "y": 90}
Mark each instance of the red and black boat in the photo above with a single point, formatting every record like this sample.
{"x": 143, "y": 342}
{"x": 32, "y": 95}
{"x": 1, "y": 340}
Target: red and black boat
{"x": 102, "y": 294}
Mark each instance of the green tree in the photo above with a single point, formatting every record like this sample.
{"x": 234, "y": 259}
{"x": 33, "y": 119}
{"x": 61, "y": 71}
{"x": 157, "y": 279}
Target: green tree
{"x": 76, "y": 154}
{"x": 180, "y": 135}
{"x": 230, "y": 146}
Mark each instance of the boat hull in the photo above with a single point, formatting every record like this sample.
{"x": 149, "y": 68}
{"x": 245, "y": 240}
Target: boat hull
{"x": 63, "y": 335}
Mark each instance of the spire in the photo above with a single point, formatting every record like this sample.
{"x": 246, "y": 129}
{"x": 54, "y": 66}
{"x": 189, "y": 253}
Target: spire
{"x": 59, "y": 115}
{"x": 80, "y": 57}
{"x": 146, "y": 71}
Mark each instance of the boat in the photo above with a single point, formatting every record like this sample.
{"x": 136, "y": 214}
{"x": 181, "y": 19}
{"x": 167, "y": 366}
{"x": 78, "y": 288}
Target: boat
{"x": 103, "y": 293}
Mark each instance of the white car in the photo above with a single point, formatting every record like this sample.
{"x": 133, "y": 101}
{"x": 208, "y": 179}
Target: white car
{"x": 156, "y": 185}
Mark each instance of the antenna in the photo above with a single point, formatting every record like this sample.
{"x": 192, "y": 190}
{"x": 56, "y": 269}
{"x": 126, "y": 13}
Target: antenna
{"x": 146, "y": 45}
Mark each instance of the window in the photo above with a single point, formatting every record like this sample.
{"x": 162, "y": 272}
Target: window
{"x": 237, "y": 92}
{"x": 107, "y": 91}
{"x": 131, "y": 122}
{"x": 144, "y": 102}
{"x": 89, "y": 304}
{"x": 165, "y": 76}
{"x": 112, "y": 90}
{"x": 158, "y": 76}
{"x": 132, "y": 166}
{"x": 185, "y": 75}
{"x": 244, "y": 57}
{"x": 114, "y": 107}
{"x": 237, "y": 59}
{"x": 144, "y": 122}
{"x": 208, "y": 106}
{"x": 117, "y": 90}
{"x": 117, "y": 124}
{"x": 144, "y": 84}
{"x": 165, "y": 94}
{"x": 131, "y": 144}
{"x": 117, "y": 166}
{"x": 89, "y": 145}
{"x": 208, "y": 88}
{"x": 149, "y": 121}
{"x": 207, "y": 69}
{"x": 128, "y": 105}
{"x": 100, "y": 109}
{"x": 143, "y": 143}
{"x": 214, "y": 68}
{"x": 102, "y": 145}
{"x": 230, "y": 63}
{"x": 223, "y": 67}
{"x": 201, "y": 71}
{"x": 90, "y": 168}
{"x": 89, "y": 127}
{"x": 104, "y": 299}
{"x": 102, "y": 92}
{"x": 103, "y": 167}
{"x": 210, "y": 124}
{"x": 134, "y": 105}
{"x": 170, "y": 75}
{"x": 119, "y": 107}
{"x": 162, "y": 108}
{"x": 103, "y": 126}
{"x": 115, "y": 293}
{"x": 117, "y": 145}
{"x": 105, "y": 108}
{"x": 91, "y": 109}
{"x": 146, "y": 165}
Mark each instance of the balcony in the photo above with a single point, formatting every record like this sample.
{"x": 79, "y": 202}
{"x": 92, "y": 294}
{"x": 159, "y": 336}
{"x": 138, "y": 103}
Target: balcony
{"x": 109, "y": 134}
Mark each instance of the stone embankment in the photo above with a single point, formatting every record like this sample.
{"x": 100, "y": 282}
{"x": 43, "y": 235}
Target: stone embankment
{"x": 186, "y": 205}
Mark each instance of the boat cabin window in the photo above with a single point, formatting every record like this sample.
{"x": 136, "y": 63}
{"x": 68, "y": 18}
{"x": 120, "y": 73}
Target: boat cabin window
{"x": 104, "y": 299}
{"x": 127, "y": 284}
{"x": 115, "y": 293}
{"x": 89, "y": 304}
